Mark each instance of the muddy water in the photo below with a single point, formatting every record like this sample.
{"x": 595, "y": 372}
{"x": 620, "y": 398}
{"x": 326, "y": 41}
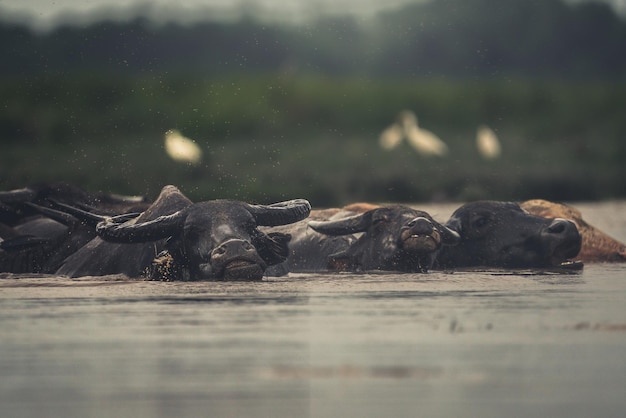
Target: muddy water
{"x": 489, "y": 344}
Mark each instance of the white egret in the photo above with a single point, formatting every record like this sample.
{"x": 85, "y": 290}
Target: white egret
{"x": 487, "y": 143}
{"x": 406, "y": 127}
{"x": 181, "y": 148}
{"x": 391, "y": 136}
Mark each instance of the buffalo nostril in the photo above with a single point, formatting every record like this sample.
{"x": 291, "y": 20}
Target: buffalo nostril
{"x": 232, "y": 248}
{"x": 557, "y": 226}
{"x": 219, "y": 250}
{"x": 421, "y": 226}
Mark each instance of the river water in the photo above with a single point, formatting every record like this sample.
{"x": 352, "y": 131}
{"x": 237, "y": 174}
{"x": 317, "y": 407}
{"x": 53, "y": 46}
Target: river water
{"x": 488, "y": 344}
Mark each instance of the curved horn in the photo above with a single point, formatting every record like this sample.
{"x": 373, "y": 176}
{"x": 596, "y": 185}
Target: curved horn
{"x": 448, "y": 236}
{"x": 158, "y": 228}
{"x": 18, "y": 195}
{"x": 62, "y": 217}
{"x": 281, "y": 213}
{"x": 344, "y": 226}
{"x": 90, "y": 218}
{"x": 454, "y": 224}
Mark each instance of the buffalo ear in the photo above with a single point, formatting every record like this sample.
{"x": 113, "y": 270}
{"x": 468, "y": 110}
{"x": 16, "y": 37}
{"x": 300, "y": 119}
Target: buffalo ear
{"x": 272, "y": 247}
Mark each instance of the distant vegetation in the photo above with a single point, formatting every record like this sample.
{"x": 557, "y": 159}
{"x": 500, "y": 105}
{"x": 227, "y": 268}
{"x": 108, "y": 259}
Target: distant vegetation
{"x": 459, "y": 38}
{"x": 285, "y": 111}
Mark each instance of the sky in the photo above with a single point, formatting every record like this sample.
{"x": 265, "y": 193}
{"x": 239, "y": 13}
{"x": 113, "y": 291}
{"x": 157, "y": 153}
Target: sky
{"x": 44, "y": 14}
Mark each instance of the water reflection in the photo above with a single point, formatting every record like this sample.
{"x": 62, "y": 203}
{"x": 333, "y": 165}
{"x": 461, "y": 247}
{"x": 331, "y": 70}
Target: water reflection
{"x": 316, "y": 345}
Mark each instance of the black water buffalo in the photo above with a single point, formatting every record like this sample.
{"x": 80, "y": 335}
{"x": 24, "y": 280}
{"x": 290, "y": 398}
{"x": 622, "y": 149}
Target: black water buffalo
{"x": 14, "y": 208}
{"x": 502, "y": 234}
{"x": 392, "y": 238}
{"x": 41, "y": 244}
{"x": 178, "y": 239}
{"x": 36, "y": 238}
{"x": 32, "y": 246}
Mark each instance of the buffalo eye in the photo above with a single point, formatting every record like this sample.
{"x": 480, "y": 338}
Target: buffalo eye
{"x": 379, "y": 218}
{"x": 248, "y": 225}
{"x": 480, "y": 222}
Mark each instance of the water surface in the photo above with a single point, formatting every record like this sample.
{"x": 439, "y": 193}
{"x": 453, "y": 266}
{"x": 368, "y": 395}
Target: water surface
{"x": 489, "y": 344}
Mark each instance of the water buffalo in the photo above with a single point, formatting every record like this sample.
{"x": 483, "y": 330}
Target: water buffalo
{"x": 36, "y": 238}
{"x": 366, "y": 237}
{"x": 212, "y": 240}
{"x": 13, "y": 208}
{"x": 596, "y": 245}
{"x": 41, "y": 244}
{"x": 502, "y": 234}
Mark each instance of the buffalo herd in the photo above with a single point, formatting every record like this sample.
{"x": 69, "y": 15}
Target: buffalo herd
{"x": 63, "y": 230}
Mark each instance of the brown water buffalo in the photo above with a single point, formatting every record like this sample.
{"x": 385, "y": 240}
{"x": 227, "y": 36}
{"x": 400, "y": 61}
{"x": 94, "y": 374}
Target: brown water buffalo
{"x": 364, "y": 237}
{"x": 212, "y": 240}
{"x": 502, "y": 234}
{"x": 596, "y": 245}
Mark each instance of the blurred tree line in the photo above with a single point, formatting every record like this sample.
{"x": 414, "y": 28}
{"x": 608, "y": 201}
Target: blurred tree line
{"x": 457, "y": 38}
{"x": 295, "y": 110}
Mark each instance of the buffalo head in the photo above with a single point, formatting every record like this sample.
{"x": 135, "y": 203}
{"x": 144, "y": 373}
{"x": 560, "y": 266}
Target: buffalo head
{"x": 596, "y": 245}
{"x": 216, "y": 239}
{"x": 502, "y": 234}
{"x": 393, "y": 238}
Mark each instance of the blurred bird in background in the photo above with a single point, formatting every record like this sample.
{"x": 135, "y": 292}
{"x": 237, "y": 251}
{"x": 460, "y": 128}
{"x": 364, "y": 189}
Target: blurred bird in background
{"x": 406, "y": 127}
{"x": 391, "y": 137}
{"x": 181, "y": 148}
{"x": 487, "y": 143}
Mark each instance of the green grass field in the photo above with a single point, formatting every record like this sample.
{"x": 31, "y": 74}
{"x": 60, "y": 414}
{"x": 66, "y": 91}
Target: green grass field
{"x": 272, "y": 137}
